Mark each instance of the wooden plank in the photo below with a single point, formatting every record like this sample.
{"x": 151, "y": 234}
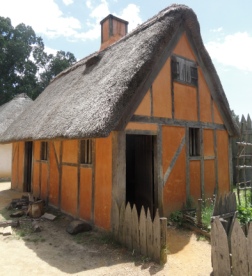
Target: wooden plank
{"x": 156, "y": 238}
{"x": 127, "y": 227}
{"x": 176, "y": 122}
{"x": 13, "y": 223}
{"x": 249, "y": 244}
{"x": 135, "y": 230}
{"x": 142, "y": 232}
{"x": 163, "y": 241}
{"x": 149, "y": 235}
{"x": 239, "y": 251}
{"x": 220, "y": 251}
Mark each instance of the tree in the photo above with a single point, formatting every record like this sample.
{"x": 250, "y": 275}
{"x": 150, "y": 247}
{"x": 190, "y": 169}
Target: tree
{"x": 55, "y": 65}
{"x": 24, "y": 65}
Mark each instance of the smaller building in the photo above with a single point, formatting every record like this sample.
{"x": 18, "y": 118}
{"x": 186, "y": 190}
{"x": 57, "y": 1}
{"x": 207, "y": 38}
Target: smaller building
{"x": 8, "y": 113}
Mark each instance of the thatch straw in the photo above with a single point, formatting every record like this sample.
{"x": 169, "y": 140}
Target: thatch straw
{"x": 88, "y": 100}
{"x": 10, "y": 111}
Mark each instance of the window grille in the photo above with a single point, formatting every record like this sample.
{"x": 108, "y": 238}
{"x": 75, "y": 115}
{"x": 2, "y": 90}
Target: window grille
{"x": 44, "y": 151}
{"x": 86, "y": 151}
{"x": 194, "y": 141}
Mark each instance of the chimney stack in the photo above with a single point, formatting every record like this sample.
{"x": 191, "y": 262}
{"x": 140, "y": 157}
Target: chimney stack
{"x": 112, "y": 29}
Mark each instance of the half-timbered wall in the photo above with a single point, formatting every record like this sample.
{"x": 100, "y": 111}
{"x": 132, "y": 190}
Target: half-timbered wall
{"x": 168, "y": 110}
{"x": 81, "y": 190}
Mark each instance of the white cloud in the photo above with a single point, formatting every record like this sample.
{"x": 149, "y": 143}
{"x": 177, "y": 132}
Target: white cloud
{"x": 100, "y": 11}
{"x": 45, "y": 17}
{"x": 217, "y": 30}
{"x": 89, "y": 4}
{"x": 234, "y": 50}
{"x": 49, "y": 51}
{"x": 131, "y": 14}
{"x": 68, "y": 2}
{"x": 96, "y": 15}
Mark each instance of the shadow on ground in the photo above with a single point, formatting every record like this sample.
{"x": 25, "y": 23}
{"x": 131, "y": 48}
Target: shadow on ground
{"x": 84, "y": 251}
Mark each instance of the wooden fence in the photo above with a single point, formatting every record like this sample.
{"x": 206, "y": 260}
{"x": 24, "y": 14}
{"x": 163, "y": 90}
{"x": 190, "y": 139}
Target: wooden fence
{"x": 231, "y": 254}
{"x": 242, "y": 152}
{"x": 231, "y": 249}
{"x": 140, "y": 233}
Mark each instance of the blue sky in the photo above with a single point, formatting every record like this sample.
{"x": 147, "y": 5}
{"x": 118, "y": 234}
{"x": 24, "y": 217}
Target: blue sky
{"x": 73, "y": 25}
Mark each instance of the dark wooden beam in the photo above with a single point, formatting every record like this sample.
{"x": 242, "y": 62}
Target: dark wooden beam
{"x": 175, "y": 122}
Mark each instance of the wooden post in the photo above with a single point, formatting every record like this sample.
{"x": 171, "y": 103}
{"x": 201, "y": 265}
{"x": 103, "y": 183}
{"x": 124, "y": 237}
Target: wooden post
{"x": 199, "y": 212}
{"x": 163, "y": 250}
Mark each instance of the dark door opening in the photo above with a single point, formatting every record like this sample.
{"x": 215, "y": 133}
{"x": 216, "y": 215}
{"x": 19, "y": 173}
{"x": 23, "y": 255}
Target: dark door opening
{"x": 140, "y": 188}
{"x": 28, "y": 167}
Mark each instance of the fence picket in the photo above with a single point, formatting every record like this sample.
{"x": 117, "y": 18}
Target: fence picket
{"x": 249, "y": 244}
{"x": 239, "y": 251}
{"x": 149, "y": 234}
{"x": 142, "y": 230}
{"x": 220, "y": 250}
{"x": 135, "y": 230}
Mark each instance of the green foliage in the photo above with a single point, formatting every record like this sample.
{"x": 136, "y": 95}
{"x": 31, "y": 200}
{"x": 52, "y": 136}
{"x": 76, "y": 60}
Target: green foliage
{"x": 244, "y": 214}
{"x": 177, "y": 217}
{"x": 244, "y": 208}
{"x": 207, "y": 212}
{"x": 54, "y": 65}
{"x": 23, "y": 62}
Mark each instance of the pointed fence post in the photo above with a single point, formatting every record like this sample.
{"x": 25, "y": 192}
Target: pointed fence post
{"x": 163, "y": 241}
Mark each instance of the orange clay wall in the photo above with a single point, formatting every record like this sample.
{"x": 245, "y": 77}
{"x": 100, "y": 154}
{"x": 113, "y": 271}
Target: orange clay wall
{"x": 103, "y": 182}
{"x": 17, "y": 178}
{"x": 193, "y": 104}
{"x": 61, "y": 180}
{"x": 223, "y": 158}
{"x": 174, "y": 194}
{"x": 81, "y": 190}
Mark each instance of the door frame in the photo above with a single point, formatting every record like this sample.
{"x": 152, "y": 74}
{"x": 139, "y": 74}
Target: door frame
{"x": 28, "y": 156}
{"x": 155, "y": 172}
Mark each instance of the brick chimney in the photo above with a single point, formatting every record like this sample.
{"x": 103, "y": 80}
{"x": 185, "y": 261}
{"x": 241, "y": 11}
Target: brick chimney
{"x": 112, "y": 29}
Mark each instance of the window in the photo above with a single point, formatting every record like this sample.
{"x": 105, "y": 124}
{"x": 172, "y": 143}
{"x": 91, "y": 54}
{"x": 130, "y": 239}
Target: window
{"x": 194, "y": 141}
{"x": 184, "y": 70}
{"x": 44, "y": 151}
{"x": 86, "y": 151}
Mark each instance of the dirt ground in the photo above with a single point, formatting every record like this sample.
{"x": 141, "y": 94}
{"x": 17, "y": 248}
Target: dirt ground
{"x": 54, "y": 252}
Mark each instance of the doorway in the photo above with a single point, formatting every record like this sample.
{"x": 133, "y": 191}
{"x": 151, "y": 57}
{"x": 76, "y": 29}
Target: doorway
{"x": 28, "y": 167}
{"x": 140, "y": 172}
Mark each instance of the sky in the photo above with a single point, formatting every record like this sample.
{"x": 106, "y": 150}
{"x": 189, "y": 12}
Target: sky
{"x": 74, "y": 26}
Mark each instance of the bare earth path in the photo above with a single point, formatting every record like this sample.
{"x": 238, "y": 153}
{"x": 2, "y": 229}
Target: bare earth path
{"x": 55, "y": 252}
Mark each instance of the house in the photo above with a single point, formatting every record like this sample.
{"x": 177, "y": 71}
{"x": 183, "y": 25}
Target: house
{"x": 144, "y": 120}
{"x": 8, "y": 113}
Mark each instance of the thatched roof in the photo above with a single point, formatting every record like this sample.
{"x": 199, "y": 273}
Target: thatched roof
{"x": 10, "y": 111}
{"x": 90, "y": 98}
